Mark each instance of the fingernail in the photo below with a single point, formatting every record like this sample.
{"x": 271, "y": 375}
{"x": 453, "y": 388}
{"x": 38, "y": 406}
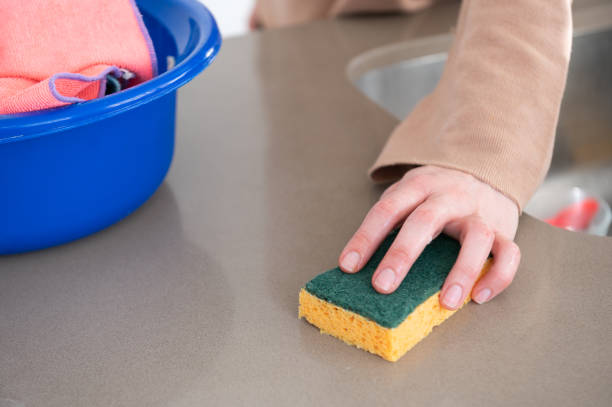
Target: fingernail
{"x": 453, "y": 296}
{"x": 385, "y": 279}
{"x": 350, "y": 261}
{"x": 482, "y": 296}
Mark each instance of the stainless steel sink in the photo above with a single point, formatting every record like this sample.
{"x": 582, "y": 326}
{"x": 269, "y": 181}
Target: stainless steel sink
{"x": 398, "y": 76}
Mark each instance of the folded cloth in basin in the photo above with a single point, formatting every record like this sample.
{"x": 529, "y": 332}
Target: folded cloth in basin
{"x": 57, "y": 52}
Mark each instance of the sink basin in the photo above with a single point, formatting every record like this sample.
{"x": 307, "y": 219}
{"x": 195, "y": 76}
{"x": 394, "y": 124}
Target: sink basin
{"x": 397, "y": 77}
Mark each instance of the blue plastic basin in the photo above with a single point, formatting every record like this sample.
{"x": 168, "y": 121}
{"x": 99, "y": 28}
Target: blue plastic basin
{"x": 69, "y": 172}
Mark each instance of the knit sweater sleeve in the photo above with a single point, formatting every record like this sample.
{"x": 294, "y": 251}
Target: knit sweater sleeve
{"x": 495, "y": 109}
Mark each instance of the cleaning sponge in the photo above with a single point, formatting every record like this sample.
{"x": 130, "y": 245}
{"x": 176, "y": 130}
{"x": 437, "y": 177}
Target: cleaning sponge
{"x": 347, "y": 307}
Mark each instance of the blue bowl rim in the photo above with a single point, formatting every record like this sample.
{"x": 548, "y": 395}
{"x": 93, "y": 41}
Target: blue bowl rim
{"x": 23, "y": 126}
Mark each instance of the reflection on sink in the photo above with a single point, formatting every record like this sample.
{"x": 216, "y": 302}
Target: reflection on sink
{"x": 583, "y": 147}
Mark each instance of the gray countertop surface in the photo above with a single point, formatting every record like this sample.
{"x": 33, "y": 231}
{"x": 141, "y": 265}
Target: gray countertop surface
{"x": 192, "y": 300}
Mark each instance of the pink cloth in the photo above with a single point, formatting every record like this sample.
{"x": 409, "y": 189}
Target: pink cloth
{"x": 57, "y": 52}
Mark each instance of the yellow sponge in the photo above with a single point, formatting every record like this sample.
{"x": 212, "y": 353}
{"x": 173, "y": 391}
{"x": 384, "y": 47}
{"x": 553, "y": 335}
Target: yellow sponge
{"x": 341, "y": 305}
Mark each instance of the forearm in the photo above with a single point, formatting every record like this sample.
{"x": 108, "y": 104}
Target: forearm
{"x": 358, "y": 6}
{"x": 279, "y": 13}
{"x": 495, "y": 110}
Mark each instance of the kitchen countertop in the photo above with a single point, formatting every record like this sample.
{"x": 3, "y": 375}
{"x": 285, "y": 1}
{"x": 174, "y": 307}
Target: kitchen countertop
{"x": 192, "y": 300}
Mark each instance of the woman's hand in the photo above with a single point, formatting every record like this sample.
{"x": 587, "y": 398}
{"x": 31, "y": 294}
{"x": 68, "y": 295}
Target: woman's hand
{"x": 255, "y": 18}
{"x": 429, "y": 200}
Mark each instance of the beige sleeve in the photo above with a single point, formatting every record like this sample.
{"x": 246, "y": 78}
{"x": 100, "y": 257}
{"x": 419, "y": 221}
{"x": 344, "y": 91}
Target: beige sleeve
{"x": 340, "y": 7}
{"x": 280, "y": 13}
{"x": 495, "y": 110}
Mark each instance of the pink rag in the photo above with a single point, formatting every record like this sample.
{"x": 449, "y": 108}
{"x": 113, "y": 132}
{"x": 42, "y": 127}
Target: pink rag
{"x": 57, "y": 52}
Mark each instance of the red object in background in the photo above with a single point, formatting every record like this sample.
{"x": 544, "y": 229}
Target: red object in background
{"x": 576, "y": 216}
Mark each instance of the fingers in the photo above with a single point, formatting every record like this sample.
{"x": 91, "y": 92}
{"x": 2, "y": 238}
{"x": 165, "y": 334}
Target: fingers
{"x": 423, "y": 224}
{"x": 254, "y": 23}
{"x": 476, "y": 243}
{"x": 506, "y": 259}
{"x": 392, "y": 208}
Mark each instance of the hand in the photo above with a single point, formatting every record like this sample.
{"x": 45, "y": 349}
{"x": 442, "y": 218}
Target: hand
{"x": 429, "y": 200}
{"x": 254, "y": 18}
